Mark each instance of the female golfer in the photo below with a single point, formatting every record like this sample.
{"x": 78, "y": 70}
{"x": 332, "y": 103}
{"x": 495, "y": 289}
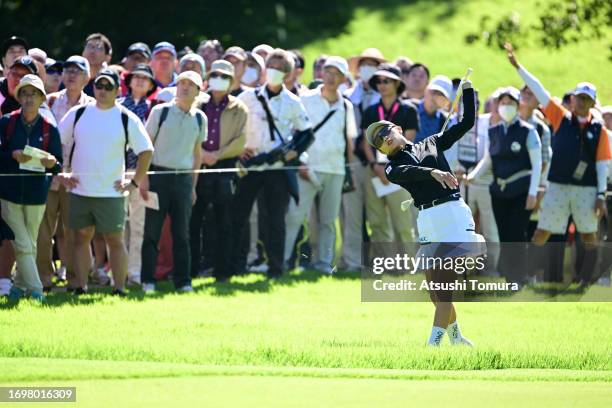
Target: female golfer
{"x": 422, "y": 169}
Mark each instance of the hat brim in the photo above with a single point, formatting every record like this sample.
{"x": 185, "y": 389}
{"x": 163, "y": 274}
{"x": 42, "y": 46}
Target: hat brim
{"x": 19, "y": 87}
{"x": 29, "y": 68}
{"x": 386, "y": 74}
{"x": 584, "y": 93}
{"x": 144, "y": 53}
{"x": 73, "y": 64}
{"x": 128, "y": 80}
{"x": 439, "y": 89}
{"x": 235, "y": 55}
{"x": 353, "y": 62}
{"x": 9, "y": 43}
{"x": 108, "y": 78}
{"x": 343, "y": 72}
{"x": 221, "y": 71}
{"x": 514, "y": 98}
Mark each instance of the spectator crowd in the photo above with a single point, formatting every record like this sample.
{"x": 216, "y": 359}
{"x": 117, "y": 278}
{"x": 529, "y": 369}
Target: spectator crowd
{"x": 174, "y": 164}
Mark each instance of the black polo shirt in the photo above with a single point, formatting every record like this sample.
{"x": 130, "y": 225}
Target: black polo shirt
{"x": 411, "y": 167}
{"x": 403, "y": 113}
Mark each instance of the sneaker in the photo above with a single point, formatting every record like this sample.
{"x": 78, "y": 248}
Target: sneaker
{"x": 465, "y": 342}
{"x": 133, "y": 280}
{"x": 186, "y": 289}
{"x": 118, "y": 293}
{"x": 260, "y": 268}
{"x": 101, "y": 277}
{"x": 39, "y": 297}
{"x": 61, "y": 274}
{"x": 603, "y": 281}
{"x": 15, "y": 294}
{"x": 324, "y": 268}
{"x": 148, "y": 287}
{"x": 5, "y": 286}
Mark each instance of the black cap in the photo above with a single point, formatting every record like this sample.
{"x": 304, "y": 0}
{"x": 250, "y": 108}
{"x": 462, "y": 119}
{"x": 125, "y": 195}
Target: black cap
{"x": 53, "y": 64}
{"x": 14, "y": 40}
{"x": 110, "y": 75}
{"x": 140, "y": 48}
{"x": 27, "y": 62}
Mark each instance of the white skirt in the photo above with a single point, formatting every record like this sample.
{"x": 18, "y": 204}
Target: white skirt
{"x": 451, "y": 223}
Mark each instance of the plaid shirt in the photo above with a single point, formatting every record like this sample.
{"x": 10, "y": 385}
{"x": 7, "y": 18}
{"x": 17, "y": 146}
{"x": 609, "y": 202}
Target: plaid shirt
{"x": 141, "y": 109}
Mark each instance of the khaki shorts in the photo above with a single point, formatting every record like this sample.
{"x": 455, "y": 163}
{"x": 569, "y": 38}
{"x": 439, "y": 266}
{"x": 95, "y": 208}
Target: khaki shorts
{"x": 563, "y": 200}
{"x": 106, "y": 214}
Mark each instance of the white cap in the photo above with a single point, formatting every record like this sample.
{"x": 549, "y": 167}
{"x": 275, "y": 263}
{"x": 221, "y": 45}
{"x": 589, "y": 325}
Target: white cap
{"x": 339, "y": 63}
{"x": 81, "y": 62}
{"x": 38, "y": 54}
{"x": 442, "y": 84}
{"x": 190, "y": 76}
{"x": 586, "y": 88}
{"x": 31, "y": 80}
{"x": 263, "y": 47}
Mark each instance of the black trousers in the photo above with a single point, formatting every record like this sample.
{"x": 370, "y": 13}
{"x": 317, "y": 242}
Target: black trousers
{"x": 174, "y": 192}
{"x": 275, "y": 187}
{"x": 213, "y": 226}
{"x": 512, "y": 223}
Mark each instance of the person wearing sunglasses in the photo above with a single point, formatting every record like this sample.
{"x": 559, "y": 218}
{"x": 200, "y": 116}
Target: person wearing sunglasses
{"x": 95, "y": 137}
{"x": 383, "y": 212}
{"x": 53, "y": 79}
{"x": 421, "y": 169}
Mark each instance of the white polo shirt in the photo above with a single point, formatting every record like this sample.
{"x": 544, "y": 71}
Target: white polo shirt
{"x": 326, "y": 154}
{"x": 99, "y": 153}
{"x": 286, "y": 109}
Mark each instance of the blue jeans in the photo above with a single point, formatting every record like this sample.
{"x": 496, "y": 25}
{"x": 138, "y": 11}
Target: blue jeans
{"x": 174, "y": 192}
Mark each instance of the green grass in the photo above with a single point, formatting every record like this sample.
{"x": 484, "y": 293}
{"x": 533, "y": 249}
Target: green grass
{"x": 433, "y": 33}
{"x": 304, "y": 321}
{"x": 271, "y": 391}
{"x": 303, "y": 340}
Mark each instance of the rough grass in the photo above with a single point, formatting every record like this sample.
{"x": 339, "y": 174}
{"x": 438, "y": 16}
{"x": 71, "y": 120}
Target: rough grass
{"x": 433, "y": 33}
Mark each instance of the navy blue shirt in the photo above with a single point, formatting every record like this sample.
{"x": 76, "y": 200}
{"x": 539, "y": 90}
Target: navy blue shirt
{"x": 428, "y": 124}
{"x": 33, "y": 188}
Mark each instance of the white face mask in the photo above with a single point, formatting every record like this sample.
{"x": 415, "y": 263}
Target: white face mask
{"x": 275, "y": 77}
{"x": 507, "y": 112}
{"x": 343, "y": 87}
{"x": 218, "y": 84}
{"x": 250, "y": 75}
{"x": 366, "y": 72}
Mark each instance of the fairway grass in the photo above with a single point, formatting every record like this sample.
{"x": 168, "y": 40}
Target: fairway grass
{"x": 303, "y": 321}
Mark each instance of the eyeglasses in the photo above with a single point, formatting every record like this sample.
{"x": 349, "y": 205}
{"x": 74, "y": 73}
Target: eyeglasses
{"x": 95, "y": 47}
{"x": 107, "y": 86}
{"x": 54, "y": 71}
{"x": 383, "y": 81}
{"x": 222, "y": 76}
{"x": 72, "y": 71}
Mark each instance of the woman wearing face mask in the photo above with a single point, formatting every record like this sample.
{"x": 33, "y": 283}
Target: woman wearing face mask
{"x": 227, "y": 117}
{"x": 253, "y": 73}
{"x": 515, "y": 155}
{"x": 422, "y": 170}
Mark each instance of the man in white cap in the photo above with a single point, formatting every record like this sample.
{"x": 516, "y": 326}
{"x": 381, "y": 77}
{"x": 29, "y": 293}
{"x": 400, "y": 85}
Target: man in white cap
{"x": 227, "y": 117}
{"x": 431, "y": 107}
{"x": 189, "y": 62}
{"x": 178, "y": 130}
{"x": 324, "y": 171}
{"x": 23, "y": 198}
{"x": 578, "y": 169}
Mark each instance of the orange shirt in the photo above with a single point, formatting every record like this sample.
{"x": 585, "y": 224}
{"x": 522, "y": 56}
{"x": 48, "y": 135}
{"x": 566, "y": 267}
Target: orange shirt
{"x": 555, "y": 113}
